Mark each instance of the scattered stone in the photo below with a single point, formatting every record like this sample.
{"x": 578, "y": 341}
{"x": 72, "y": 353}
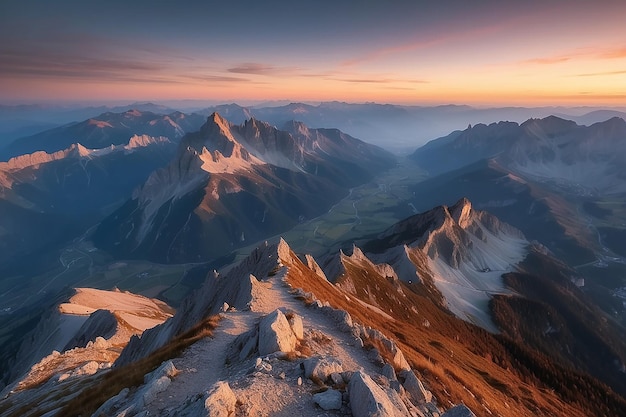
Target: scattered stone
{"x": 328, "y": 400}
{"x": 299, "y": 380}
{"x": 224, "y": 308}
{"x": 460, "y": 410}
{"x": 275, "y": 334}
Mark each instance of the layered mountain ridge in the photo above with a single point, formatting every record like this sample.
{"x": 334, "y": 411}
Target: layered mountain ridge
{"x": 590, "y": 158}
{"x": 105, "y": 130}
{"x": 231, "y": 184}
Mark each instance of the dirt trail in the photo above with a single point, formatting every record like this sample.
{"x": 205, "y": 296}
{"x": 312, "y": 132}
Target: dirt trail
{"x": 203, "y": 363}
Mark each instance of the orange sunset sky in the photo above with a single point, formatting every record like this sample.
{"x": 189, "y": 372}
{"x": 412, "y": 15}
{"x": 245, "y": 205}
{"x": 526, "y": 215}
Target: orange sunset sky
{"x": 482, "y": 53}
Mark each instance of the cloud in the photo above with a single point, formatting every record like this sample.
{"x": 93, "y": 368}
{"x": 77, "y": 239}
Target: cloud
{"x": 580, "y": 53}
{"x": 548, "y": 60}
{"x": 377, "y": 80}
{"x": 255, "y": 68}
{"x": 600, "y": 74}
{"x": 216, "y": 78}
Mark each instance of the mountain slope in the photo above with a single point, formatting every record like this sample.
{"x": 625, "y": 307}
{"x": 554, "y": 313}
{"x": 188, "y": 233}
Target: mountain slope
{"x": 230, "y": 185}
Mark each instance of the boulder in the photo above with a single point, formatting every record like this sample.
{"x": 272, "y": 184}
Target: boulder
{"x": 167, "y": 369}
{"x": 328, "y": 400}
{"x": 368, "y": 399}
{"x": 460, "y": 410}
{"x": 154, "y": 388}
{"x": 321, "y": 368}
{"x": 415, "y": 388}
{"x": 275, "y": 334}
{"x": 221, "y": 400}
{"x": 389, "y": 372}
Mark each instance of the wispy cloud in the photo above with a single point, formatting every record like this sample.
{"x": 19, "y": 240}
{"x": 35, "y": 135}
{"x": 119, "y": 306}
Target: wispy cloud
{"x": 216, "y": 78}
{"x": 548, "y": 60}
{"x": 580, "y": 53}
{"x": 601, "y": 74}
{"x": 256, "y": 68}
{"x": 378, "y": 80}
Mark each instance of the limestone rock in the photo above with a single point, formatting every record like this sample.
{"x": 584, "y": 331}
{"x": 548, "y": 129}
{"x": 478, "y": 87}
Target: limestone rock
{"x": 296, "y": 326}
{"x": 167, "y": 369}
{"x": 321, "y": 368}
{"x": 221, "y": 400}
{"x": 275, "y": 334}
{"x": 415, "y": 388}
{"x": 154, "y": 388}
{"x": 368, "y": 399}
{"x": 328, "y": 400}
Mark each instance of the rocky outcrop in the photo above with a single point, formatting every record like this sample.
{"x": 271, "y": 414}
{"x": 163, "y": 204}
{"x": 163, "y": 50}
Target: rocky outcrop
{"x": 275, "y": 334}
{"x": 368, "y": 399}
{"x": 220, "y": 401}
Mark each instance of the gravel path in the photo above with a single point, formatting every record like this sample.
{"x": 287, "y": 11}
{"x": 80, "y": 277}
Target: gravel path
{"x": 274, "y": 392}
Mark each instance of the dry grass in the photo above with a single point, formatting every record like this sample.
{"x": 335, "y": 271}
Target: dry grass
{"x": 131, "y": 375}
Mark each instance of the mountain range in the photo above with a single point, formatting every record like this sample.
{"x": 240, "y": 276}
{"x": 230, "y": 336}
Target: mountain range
{"x": 502, "y": 294}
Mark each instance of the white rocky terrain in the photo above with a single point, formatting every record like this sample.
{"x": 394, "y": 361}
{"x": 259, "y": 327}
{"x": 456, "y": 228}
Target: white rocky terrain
{"x": 84, "y": 335}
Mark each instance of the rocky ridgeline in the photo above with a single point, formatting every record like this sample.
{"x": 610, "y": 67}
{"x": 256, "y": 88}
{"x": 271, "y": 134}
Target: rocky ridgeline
{"x": 279, "y": 354}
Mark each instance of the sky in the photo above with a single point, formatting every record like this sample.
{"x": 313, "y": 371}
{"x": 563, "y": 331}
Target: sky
{"x": 482, "y": 52}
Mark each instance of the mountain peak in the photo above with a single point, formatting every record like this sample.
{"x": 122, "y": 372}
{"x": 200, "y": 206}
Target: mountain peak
{"x": 218, "y": 120}
{"x": 461, "y": 212}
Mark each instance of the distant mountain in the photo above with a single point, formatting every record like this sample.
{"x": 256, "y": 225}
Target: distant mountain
{"x": 105, "y": 130}
{"x": 51, "y": 197}
{"x": 596, "y": 116}
{"x": 591, "y": 158}
{"x": 562, "y": 184}
{"x": 230, "y": 185}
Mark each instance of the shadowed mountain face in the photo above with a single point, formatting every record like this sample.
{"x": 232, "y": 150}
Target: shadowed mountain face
{"x": 46, "y": 199}
{"x": 105, "y": 130}
{"x": 230, "y": 185}
{"x": 588, "y": 159}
